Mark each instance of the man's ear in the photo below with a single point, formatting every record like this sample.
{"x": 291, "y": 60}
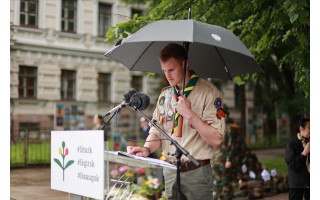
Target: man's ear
{"x": 187, "y": 63}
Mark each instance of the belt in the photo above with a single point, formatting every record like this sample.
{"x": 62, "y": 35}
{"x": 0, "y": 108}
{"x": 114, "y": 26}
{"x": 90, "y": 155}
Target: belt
{"x": 187, "y": 166}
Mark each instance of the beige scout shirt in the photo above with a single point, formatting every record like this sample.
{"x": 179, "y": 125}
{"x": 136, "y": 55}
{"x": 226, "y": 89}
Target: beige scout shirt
{"x": 202, "y": 100}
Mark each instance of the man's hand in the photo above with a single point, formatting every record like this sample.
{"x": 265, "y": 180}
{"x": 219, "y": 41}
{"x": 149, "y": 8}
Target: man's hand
{"x": 208, "y": 133}
{"x": 148, "y": 148}
{"x": 184, "y": 107}
{"x": 306, "y": 149}
{"x": 138, "y": 151}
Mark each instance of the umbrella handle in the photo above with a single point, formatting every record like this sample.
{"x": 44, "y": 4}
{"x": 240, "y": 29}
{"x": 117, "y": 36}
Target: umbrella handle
{"x": 180, "y": 125}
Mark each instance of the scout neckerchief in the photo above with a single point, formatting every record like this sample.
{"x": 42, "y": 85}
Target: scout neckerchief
{"x": 187, "y": 90}
{"x": 304, "y": 144}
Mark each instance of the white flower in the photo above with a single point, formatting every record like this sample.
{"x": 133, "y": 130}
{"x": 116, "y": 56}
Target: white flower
{"x": 244, "y": 168}
{"x": 252, "y": 174}
{"x": 274, "y": 173}
{"x": 265, "y": 175}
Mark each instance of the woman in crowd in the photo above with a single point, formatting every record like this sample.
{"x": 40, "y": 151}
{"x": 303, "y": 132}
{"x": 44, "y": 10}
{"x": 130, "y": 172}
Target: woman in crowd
{"x": 297, "y": 157}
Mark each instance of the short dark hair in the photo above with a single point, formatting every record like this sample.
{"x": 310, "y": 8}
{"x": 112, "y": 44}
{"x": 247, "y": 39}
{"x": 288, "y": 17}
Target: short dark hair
{"x": 98, "y": 115}
{"x": 172, "y": 50}
{"x": 302, "y": 122}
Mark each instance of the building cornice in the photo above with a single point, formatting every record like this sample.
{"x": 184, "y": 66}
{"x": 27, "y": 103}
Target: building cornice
{"x": 42, "y": 46}
{"x": 56, "y": 50}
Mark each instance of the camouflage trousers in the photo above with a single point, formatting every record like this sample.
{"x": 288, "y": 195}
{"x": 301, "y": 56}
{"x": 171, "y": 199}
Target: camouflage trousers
{"x": 223, "y": 185}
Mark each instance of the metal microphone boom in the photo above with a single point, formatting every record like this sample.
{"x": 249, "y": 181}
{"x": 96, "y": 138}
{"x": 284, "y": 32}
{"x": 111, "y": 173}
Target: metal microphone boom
{"x": 119, "y": 106}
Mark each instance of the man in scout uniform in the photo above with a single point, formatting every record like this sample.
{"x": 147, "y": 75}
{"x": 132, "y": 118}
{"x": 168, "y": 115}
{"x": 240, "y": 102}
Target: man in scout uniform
{"x": 203, "y": 126}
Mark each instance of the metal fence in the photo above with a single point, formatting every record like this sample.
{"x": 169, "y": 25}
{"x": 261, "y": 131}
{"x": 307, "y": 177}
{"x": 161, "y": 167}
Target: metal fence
{"x": 30, "y": 147}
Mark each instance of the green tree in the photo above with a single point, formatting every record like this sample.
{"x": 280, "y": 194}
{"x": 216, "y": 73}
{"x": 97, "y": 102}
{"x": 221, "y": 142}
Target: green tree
{"x": 277, "y": 33}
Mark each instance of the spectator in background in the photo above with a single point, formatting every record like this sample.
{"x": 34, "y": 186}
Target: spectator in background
{"x": 297, "y": 157}
{"x": 222, "y": 161}
{"x": 145, "y": 127}
{"x": 97, "y": 122}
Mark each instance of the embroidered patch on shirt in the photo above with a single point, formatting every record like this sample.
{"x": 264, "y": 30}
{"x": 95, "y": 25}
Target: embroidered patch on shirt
{"x": 218, "y": 103}
{"x": 220, "y": 113}
{"x": 161, "y": 101}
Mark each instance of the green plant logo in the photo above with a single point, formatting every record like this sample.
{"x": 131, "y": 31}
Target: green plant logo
{"x": 63, "y": 152}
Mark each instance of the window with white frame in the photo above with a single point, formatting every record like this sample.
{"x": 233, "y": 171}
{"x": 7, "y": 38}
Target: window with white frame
{"x": 68, "y": 85}
{"x": 69, "y": 16}
{"x": 104, "y": 19}
{"x": 104, "y": 89}
{"x": 27, "y": 82}
{"x": 29, "y": 13}
{"x": 136, "y": 83}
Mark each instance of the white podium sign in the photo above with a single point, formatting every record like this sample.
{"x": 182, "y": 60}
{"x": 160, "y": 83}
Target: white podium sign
{"x": 77, "y": 162}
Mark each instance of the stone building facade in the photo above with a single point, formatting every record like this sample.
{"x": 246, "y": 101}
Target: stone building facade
{"x": 57, "y": 59}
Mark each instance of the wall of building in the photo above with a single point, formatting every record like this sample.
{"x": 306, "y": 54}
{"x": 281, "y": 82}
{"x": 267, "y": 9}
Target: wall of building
{"x": 50, "y": 51}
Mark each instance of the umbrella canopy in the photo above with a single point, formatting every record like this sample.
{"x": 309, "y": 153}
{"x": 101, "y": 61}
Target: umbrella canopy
{"x": 214, "y": 52}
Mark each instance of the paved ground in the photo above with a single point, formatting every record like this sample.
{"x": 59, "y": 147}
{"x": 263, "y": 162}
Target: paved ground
{"x": 34, "y": 184}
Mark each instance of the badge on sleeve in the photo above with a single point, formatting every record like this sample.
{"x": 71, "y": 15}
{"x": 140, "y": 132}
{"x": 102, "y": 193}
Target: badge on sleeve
{"x": 218, "y": 103}
{"x": 161, "y": 101}
{"x": 220, "y": 113}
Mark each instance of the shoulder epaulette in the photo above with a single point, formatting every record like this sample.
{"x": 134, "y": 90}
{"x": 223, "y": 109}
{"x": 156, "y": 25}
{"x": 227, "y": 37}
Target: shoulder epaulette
{"x": 165, "y": 88}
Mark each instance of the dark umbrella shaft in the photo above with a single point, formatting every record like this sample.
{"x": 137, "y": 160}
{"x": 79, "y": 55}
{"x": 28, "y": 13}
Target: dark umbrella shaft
{"x": 180, "y": 121}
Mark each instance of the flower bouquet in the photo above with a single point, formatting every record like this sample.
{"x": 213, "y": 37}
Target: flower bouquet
{"x": 151, "y": 187}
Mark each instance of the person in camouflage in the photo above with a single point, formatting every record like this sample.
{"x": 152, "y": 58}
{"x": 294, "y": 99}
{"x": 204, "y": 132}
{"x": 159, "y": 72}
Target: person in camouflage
{"x": 223, "y": 173}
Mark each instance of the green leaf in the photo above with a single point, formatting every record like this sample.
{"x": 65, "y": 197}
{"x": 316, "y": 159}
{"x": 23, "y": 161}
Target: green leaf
{"x": 70, "y": 162}
{"x": 294, "y": 17}
{"x": 58, "y": 162}
{"x": 135, "y": 16}
{"x": 124, "y": 35}
{"x": 63, "y": 144}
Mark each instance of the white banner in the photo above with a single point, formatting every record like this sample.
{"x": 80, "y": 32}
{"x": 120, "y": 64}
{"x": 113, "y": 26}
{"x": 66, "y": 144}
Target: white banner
{"x": 77, "y": 162}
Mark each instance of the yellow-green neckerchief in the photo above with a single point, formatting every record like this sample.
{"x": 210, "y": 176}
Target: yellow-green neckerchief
{"x": 187, "y": 90}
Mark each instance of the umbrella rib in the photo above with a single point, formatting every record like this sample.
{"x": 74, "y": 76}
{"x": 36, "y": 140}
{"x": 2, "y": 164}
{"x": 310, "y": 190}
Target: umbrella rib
{"x": 141, "y": 55}
{"x": 226, "y": 68}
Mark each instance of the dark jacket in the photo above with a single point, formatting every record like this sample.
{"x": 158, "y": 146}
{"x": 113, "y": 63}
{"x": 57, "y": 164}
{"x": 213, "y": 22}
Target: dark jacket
{"x": 298, "y": 174}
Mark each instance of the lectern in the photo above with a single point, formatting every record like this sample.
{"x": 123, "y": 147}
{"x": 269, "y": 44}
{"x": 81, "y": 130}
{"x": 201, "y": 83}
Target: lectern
{"x": 115, "y": 185}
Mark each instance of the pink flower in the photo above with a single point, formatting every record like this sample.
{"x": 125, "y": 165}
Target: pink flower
{"x": 114, "y": 173}
{"x": 124, "y": 169}
{"x": 155, "y": 183}
{"x": 67, "y": 151}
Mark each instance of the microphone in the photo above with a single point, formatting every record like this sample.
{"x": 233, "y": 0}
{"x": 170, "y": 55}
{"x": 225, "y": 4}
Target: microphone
{"x": 127, "y": 96}
{"x": 126, "y": 100}
{"x": 139, "y": 101}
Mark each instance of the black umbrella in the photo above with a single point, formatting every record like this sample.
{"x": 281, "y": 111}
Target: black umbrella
{"x": 214, "y": 52}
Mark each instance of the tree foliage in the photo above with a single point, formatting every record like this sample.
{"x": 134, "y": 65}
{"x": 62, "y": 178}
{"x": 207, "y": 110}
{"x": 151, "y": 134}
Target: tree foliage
{"x": 276, "y": 32}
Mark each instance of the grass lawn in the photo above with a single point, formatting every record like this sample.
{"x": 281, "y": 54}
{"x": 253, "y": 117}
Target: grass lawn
{"x": 275, "y": 163}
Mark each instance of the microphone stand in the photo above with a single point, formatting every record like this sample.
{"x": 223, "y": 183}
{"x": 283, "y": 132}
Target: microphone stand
{"x": 105, "y": 123}
{"x": 113, "y": 111}
{"x": 178, "y": 153}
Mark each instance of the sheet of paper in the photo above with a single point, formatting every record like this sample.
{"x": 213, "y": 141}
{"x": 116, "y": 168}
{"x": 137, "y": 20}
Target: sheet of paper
{"x": 147, "y": 159}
